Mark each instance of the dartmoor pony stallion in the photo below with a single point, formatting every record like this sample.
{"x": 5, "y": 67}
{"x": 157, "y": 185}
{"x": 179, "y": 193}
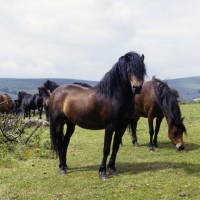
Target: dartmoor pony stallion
{"x": 156, "y": 101}
{"x": 109, "y": 105}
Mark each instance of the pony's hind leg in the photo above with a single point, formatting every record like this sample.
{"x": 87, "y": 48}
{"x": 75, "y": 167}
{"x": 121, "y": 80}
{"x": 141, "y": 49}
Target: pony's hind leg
{"x": 151, "y": 133}
{"x": 133, "y": 126}
{"x": 65, "y": 143}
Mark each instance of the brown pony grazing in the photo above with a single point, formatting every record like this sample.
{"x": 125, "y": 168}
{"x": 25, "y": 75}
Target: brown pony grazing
{"x": 43, "y": 92}
{"x": 6, "y": 103}
{"x": 157, "y": 100}
{"x": 109, "y": 105}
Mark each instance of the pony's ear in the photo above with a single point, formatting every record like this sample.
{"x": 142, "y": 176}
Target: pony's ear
{"x": 182, "y": 119}
{"x": 127, "y": 58}
{"x": 142, "y": 57}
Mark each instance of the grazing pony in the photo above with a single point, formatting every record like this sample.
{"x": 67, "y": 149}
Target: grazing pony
{"x": 44, "y": 94}
{"x": 157, "y": 100}
{"x": 109, "y": 105}
{"x": 6, "y": 103}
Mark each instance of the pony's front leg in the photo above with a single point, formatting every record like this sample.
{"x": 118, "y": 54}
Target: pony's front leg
{"x": 47, "y": 112}
{"x": 115, "y": 148}
{"x": 157, "y": 128}
{"x": 106, "y": 151}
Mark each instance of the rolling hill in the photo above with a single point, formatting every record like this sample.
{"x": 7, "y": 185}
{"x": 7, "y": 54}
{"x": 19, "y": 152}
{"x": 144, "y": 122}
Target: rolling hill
{"x": 188, "y": 88}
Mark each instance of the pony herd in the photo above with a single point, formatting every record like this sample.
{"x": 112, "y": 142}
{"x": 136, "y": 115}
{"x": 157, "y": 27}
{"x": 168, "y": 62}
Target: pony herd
{"x": 113, "y": 104}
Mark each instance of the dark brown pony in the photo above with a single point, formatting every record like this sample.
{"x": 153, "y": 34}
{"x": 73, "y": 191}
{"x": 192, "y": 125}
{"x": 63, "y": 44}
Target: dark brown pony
{"x": 109, "y": 105}
{"x": 43, "y": 92}
{"x": 6, "y": 103}
{"x": 157, "y": 100}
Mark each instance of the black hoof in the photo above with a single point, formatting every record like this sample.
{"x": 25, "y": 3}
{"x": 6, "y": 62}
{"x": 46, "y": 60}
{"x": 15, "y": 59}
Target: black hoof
{"x": 113, "y": 172}
{"x": 151, "y": 150}
{"x": 136, "y": 145}
{"x": 103, "y": 176}
{"x": 62, "y": 171}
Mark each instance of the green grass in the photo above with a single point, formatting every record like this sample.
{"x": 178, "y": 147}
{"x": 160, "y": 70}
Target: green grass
{"x": 31, "y": 172}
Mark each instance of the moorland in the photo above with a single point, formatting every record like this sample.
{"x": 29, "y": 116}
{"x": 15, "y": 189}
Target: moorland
{"x": 30, "y": 170}
{"x": 188, "y": 88}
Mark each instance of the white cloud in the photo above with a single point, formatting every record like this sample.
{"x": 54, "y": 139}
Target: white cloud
{"x": 83, "y": 39}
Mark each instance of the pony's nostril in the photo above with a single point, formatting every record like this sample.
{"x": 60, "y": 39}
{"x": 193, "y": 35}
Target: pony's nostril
{"x": 181, "y": 148}
{"x": 137, "y": 89}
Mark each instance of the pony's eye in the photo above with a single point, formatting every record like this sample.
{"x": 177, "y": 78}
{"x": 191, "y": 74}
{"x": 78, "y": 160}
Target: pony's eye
{"x": 175, "y": 132}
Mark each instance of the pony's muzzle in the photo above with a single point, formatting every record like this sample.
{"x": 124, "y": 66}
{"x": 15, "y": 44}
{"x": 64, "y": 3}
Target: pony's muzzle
{"x": 180, "y": 147}
{"x": 137, "y": 89}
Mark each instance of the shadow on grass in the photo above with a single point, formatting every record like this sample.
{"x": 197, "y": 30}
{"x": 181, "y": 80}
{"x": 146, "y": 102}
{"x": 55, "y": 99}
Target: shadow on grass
{"x": 141, "y": 167}
{"x": 169, "y": 145}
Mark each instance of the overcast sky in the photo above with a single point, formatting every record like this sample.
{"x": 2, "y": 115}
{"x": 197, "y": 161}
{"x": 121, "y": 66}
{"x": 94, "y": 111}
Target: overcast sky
{"x": 83, "y": 39}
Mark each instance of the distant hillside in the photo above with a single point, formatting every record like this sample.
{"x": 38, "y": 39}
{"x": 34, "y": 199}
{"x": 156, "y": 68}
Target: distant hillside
{"x": 188, "y": 88}
{"x": 13, "y": 86}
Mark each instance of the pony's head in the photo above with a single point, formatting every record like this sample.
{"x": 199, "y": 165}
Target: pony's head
{"x": 46, "y": 84}
{"x": 176, "y": 134}
{"x": 43, "y": 91}
{"x": 135, "y": 70}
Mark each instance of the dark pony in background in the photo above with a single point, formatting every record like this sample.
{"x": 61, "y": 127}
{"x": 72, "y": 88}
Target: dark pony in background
{"x": 51, "y": 86}
{"x": 29, "y": 102}
{"x": 6, "y": 103}
{"x": 109, "y": 105}
{"x": 157, "y": 100}
{"x": 44, "y": 94}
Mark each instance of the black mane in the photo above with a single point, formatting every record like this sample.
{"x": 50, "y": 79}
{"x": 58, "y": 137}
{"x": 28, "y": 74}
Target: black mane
{"x": 50, "y": 85}
{"x": 117, "y": 76}
{"x": 82, "y": 84}
{"x": 168, "y": 102}
{"x": 43, "y": 90}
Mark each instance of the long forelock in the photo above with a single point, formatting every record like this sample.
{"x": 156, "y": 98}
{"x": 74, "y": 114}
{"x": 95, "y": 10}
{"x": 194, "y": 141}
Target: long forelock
{"x": 137, "y": 65}
{"x": 118, "y": 74}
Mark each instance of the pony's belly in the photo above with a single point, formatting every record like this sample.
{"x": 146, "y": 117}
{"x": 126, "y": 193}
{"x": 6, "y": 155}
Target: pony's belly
{"x": 88, "y": 123}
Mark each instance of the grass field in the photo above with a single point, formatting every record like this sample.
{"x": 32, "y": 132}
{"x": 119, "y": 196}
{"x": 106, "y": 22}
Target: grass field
{"x": 31, "y": 172}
